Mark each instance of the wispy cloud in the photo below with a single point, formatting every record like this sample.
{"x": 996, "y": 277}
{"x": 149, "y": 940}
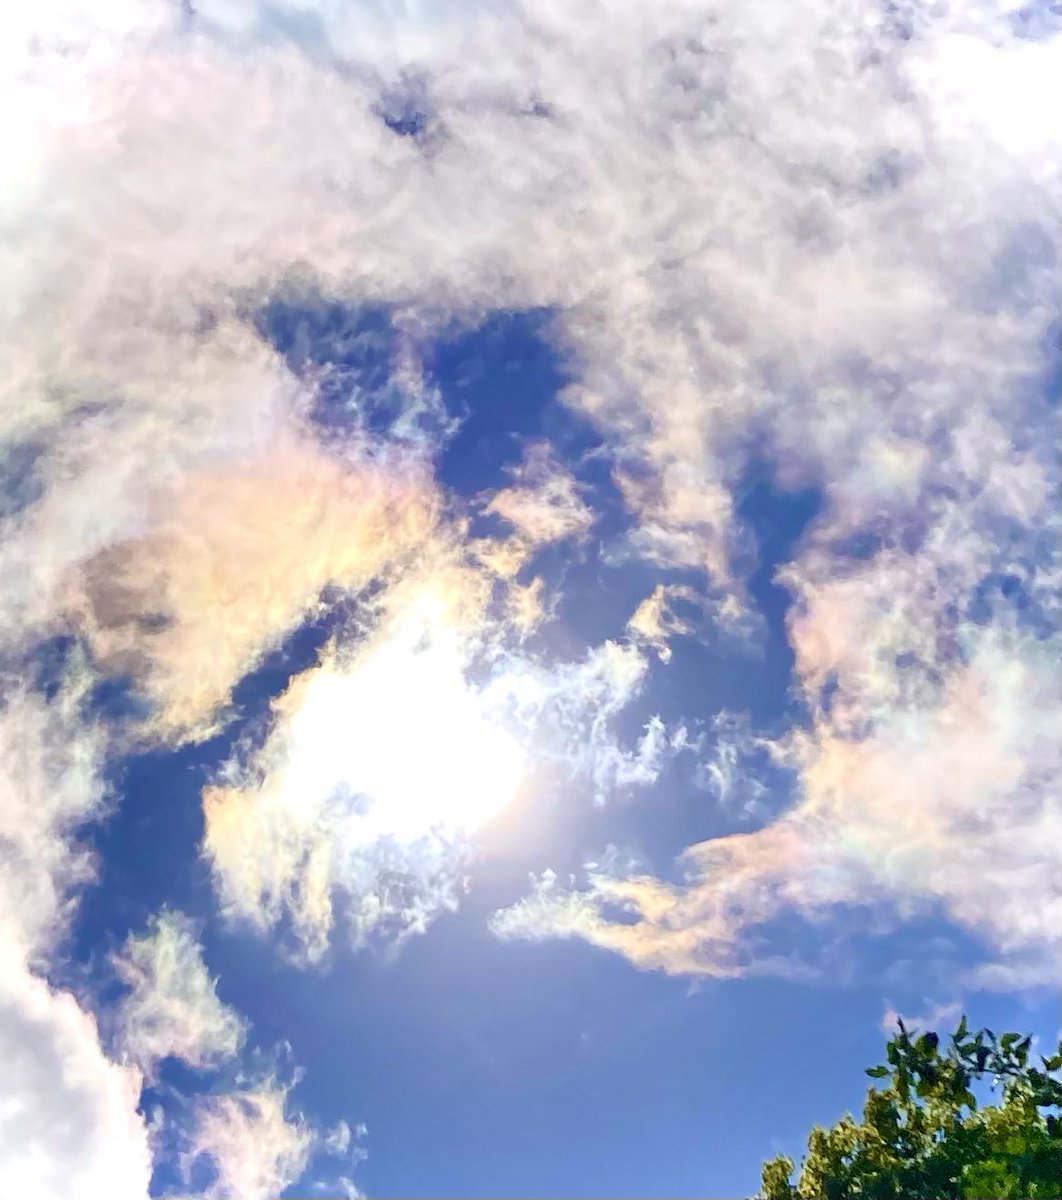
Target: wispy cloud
{"x": 543, "y": 503}
{"x": 386, "y": 760}
{"x": 381, "y": 764}
{"x": 945, "y": 798}
{"x": 937, "y": 1017}
{"x": 685, "y": 929}
{"x": 567, "y": 713}
{"x": 256, "y": 1149}
{"x": 250, "y": 1143}
{"x": 655, "y": 620}
{"x": 172, "y": 1007}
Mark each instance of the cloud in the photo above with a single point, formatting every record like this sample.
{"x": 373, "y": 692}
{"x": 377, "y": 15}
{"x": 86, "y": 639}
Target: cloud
{"x": 739, "y": 761}
{"x": 567, "y": 713}
{"x": 835, "y": 301}
{"x": 817, "y": 238}
{"x": 254, "y": 1147}
{"x": 674, "y": 609}
{"x": 979, "y": 766}
{"x": 936, "y": 1017}
{"x": 172, "y": 1008}
{"x": 870, "y": 197}
{"x": 943, "y": 799}
{"x": 686, "y": 929}
{"x": 543, "y": 504}
{"x": 249, "y": 1144}
{"x": 654, "y": 621}
{"x": 69, "y": 1120}
{"x": 342, "y": 1142}
{"x": 120, "y": 410}
{"x": 69, "y": 1123}
{"x": 237, "y": 558}
{"x": 50, "y": 784}
{"x": 382, "y": 763}
{"x": 502, "y": 557}
{"x": 525, "y": 609}
{"x": 385, "y": 761}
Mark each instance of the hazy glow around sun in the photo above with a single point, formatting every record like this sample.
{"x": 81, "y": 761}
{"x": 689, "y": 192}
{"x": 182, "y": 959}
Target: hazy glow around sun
{"x": 404, "y": 739}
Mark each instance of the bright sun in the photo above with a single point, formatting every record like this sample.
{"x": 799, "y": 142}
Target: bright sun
{"x": 404, "y": 731}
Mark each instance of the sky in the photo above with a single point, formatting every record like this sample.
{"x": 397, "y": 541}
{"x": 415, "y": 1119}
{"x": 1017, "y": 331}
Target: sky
{"x": 529, "y": 582}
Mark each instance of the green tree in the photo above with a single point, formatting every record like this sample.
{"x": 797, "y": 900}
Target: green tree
{"x": 923, "y": 1135}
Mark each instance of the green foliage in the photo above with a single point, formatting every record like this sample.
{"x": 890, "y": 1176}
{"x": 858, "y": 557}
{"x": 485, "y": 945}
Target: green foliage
{"x": 923, "y": 1136}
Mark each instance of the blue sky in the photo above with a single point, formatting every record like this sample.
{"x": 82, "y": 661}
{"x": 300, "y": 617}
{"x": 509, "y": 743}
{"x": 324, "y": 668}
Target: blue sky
{"x": 528, "y": 589}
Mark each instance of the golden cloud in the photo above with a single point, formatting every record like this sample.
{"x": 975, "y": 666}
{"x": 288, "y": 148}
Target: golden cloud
{"x": 232, "y": 561}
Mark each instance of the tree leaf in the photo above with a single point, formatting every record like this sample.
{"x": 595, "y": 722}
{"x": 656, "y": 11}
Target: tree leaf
{"x": 928, "y": 1043}
{"x": 938, "y": 1143}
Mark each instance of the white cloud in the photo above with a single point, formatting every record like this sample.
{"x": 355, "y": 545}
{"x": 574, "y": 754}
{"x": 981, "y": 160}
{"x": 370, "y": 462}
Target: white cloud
{"x": 255, "y": 1148}
{"x": 655, "y": 620}
{"x": 939, "y": 1017}
{"x": 763, "y": 199}
{"x": 567, "y": 713}
{"x": 945, "y": 799}
{"x": 543, "y": 504}
{"x": 341, "y": 1142}
{"x": 172, "y": 1008}
{"x": 735, "y": 769}
{"x": 764, "y": 202}
{"x": 659, "y": 618}
{"x": 525, "y": 608}
{"x": 68, "y": 1119}
{"x": 50, "y": 783}
{"x": 691, "y": 929}
{"x": 386, "y": 761}
{"x": 380, "y": 769}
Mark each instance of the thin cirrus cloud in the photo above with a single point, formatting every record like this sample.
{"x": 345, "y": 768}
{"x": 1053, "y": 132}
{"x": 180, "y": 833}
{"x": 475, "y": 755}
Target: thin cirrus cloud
{"x": 338, "y": 799}
{"x": 385, "y": 761}
{"x": 70, "y": 1120}
{"x": 247, "y": 1139}
{"x": 543, "y": 504}
{"x": 171, "y": 1009}
{"x": 811, "y": 235}
{"x": 970, "y": 836}
{"x": 252, "y": 1147}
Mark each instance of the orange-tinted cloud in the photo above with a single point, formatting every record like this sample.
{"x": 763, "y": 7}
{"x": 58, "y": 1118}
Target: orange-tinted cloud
{"x": 232, "y": 560}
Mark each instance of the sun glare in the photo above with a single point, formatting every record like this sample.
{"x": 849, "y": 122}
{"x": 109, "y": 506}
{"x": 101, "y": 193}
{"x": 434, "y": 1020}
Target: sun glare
{"x": 403, "y": 734}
